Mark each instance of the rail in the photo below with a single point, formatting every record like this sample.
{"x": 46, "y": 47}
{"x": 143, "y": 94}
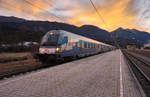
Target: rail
{"x": 141, "y": 69}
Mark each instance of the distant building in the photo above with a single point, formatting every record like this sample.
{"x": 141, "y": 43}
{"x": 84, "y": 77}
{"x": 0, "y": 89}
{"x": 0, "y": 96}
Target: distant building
{"x": 131, "y": 47}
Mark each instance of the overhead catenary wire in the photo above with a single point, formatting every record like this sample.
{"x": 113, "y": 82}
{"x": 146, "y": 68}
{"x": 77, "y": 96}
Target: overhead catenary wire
{"x": 36, "y": 15}
{"x": 24, "y": 11}
{"x": 98, "y": 13}
{"x": 55, "y": 16}
{"x": 100, "y": 16}
{"x": 14, "y": 7}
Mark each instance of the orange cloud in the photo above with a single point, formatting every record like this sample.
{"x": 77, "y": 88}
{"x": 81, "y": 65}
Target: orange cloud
{"x": 115, "y": 13}
{"x": 34, "y": 8}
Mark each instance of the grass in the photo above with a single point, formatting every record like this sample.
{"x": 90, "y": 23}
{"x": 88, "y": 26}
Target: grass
{"x": 8, "y": 57}
{"x": 15, "y": 55}
{"x": 13, "y": 63}
{"x": 9, "y": 66}
{"x": 12, "y": 68}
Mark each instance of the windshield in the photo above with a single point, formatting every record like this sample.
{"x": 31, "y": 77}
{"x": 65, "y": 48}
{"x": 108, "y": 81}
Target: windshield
{"x": 54, "y": 38}
{"x": 50, "y": 39}
{"x": 62, "y": 39}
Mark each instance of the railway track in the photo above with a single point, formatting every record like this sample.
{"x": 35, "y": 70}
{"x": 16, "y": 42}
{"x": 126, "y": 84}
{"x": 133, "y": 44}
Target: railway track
{"x": 141, "y": 69}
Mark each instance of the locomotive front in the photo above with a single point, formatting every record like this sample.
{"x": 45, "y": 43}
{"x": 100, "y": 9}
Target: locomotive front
{"x": 51, "y": 43}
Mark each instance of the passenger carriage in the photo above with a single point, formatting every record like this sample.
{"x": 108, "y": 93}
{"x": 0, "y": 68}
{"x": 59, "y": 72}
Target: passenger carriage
{"x": 60, "y": 44}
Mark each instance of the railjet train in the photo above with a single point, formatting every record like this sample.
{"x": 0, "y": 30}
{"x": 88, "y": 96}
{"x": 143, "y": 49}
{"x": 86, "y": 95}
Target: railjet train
{"x": 60, "y": 45}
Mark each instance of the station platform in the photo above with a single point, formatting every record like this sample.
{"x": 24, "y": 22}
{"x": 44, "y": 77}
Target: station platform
{"x": 103, "y": 75}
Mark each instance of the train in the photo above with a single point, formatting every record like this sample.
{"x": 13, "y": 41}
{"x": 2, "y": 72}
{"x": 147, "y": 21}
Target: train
{"x": 61, "y": 45}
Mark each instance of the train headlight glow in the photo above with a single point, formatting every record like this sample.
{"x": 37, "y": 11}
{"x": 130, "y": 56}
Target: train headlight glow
{"x": 57, "y": 49}
{"x": 51, "y": 33}
{"x": 41, "y": 50}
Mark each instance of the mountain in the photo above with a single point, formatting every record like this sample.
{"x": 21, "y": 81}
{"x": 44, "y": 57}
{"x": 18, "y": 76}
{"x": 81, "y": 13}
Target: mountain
{"x": 95, "y": 33}
{"x": 15, "y": 30}
{"x": 18, "y": 30}
{"x": 131, "y": 36}
{"x": 11, "y": 19}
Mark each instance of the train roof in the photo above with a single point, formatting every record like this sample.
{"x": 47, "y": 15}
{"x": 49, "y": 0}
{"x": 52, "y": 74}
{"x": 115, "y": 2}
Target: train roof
{"x": 73, "y": 35}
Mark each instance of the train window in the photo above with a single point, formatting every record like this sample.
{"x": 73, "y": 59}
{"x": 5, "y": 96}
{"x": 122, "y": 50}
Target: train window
{"x": 62, "y": 40}
{"x": 100, "y": 46}
{"x": 50, "y": 39}
{"x": 81, "y": 44}
{"x": 97, "y": 45}
{"x": 66, "y": 39}
{"x": 76, "y": 44}
{"x": 89, "y": 45}
{"x": 92, "y": 45}
{"x": 85, "y": 45}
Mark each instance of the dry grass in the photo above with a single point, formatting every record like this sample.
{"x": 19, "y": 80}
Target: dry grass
{"x": 18, "y": 67}
{"x": 15, "y": 55}
{"x": 9, "y": 57}
{"x": 15, "y": 63}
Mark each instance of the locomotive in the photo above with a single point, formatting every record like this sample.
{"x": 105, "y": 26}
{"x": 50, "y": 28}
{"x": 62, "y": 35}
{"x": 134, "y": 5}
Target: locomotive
{"x": 60, "y": 45}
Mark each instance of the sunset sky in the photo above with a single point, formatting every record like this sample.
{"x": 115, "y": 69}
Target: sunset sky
{"x": 115, "y": 13}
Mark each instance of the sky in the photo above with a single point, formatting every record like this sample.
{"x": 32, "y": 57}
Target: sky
{"x": 132, "y": 14}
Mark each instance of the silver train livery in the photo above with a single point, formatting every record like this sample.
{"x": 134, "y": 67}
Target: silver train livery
{"x": 60, "y": 44}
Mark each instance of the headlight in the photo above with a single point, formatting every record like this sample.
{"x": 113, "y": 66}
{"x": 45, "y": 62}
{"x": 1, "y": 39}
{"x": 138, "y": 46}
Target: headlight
{"x": 51, "y": 33}
{"x": 40, "y": 49}
{"x": 57, "y": 49}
